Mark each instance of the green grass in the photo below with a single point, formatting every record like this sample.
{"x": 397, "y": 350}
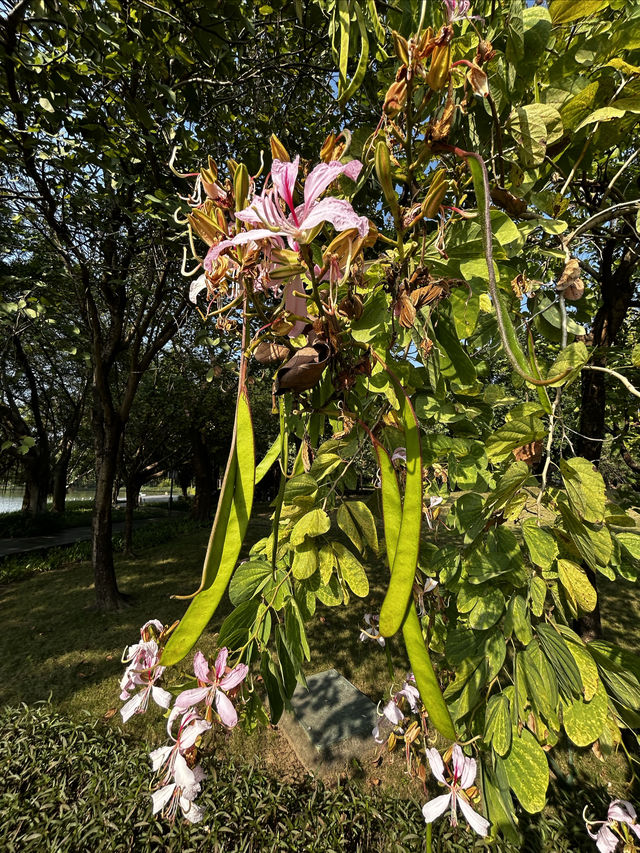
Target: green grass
{"x": 54, "y": 644}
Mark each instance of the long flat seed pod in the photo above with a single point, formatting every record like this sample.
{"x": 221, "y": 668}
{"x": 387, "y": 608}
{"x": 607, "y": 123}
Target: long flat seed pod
{"x": 361, "y": 70}
{"x": 419, "y": 659}
{"x": 405, "y": 560}
{"x": 218, "y": 576}
{"x": 269, "y": 458}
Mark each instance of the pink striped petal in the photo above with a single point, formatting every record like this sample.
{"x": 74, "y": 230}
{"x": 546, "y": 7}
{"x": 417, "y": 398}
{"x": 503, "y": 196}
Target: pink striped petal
{"x": 338, "y": 212}
{"x": 132, "y": 706}
{"x": 221, "y": 662}
{"x": 434, "y": 808}
{"x": 161, "y": 798}
{"x": 239, "y": 240}
{"x": 284, "y": 176}
{"x": 159, "y": 756}
{"x": 325, "y": 174}
{"x": 190, "y": 697}
{"x": 226, "y": 710}
{"x": 161, "y": 697}
{"x": 193, "y": 731}
{"x": 201, "y": 667}
{"x": 478, "y": 823}
{"x": 436, "y": 764}
{"x": 235, "y": 677}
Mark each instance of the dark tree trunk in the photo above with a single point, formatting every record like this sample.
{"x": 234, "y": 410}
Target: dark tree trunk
{"x": 37, "y": 476}
{"x": 203, "y": 476}
{"x": 60, "y": 484}
{"x": 108, "y": 596}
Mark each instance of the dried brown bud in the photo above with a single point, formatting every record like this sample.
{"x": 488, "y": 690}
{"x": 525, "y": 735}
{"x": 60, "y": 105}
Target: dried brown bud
{"x": 405, "y": 311}
{"x": 508, "y": 201}
{"x": 478, "y": 80}
{"x": 395, "y": 99}
{"x": 326, "y": 152}
{"x": 570, "y": 284}
{"x": 351, "y": 306}
{"x": 485, "y": 52}
{"x": 269, "y": 353}
{"x": 304, "y": 369}
{"x": 530, "y": 453}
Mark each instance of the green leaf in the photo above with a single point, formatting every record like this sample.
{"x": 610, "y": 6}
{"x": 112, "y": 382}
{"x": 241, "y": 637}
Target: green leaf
{"x": 566, "y": 11}
{"x": 601, "y": 115}
{"x": 542, "y": 545}
{"x": 514, "y": 433}
{"x": 497, "y": 725}
{"x": 585, "y": 488}
{"x": 572, "y": 357}
{"x": 46, "y": 104}
{"x": 579, "y": 591}
{"x": 352, "y": 570}
{"x": 521, "y": 621}
{"x": 313, "y": 523}
{"x": 331, "y": 593}
{"x": 584, "y": 721}
{"x": 248, "y": 579}
{"x": 300, "y": 489}
{"x": 538, "y": 592}
{"x": 561, "y": 660}
{"x": 508, "y": 484}
{"x": 365, "y": 521}
{"x": 457, "y": 365}
{"x": 269, "y": 458}
{"x": 305, "y": 560}
{"x": 272, "y": 684}
{"x": 595, "y": 545}
{"x": 635, "y": 356}
{"x": 579, "y": 106}
{"x": 487, "y": 610}
{"x": 236, "y": 626}
{"x": 630, "y": 541}
{"x": 348, "y": 526}
{"x": 527, "y": 771}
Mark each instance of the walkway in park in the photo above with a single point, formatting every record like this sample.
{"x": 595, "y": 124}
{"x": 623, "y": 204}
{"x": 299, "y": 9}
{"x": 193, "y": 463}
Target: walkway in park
{"x": 10, "y": 547}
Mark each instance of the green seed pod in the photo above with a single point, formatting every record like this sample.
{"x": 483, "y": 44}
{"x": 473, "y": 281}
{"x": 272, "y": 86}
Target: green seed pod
{"x": 383, "y": 171}
{"x": 241, "y": 186}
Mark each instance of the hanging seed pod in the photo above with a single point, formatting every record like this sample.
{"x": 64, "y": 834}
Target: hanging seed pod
{"x": 205, "y": 227}
{"x": 395, "y": 99}
{"x": 438, "y": 74}
{"x": 401, "y": 47}
{"x": 383, "y": 171}
{"x": 435, "y": 194}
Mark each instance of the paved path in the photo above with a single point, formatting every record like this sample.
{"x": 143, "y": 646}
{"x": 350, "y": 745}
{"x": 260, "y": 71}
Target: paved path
{"x": 9, "y": 547}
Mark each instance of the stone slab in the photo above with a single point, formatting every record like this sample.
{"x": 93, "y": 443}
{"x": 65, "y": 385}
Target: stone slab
{"x": 330, "y": 723}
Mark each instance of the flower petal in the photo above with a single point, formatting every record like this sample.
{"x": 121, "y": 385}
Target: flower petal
{"x": 226, "y": 710}
{"x": 239, "y": 240}
{"x": 468, "y": 776}
{"x": 132, "y": 706}
{"x": 393, "y": 713}
{"x": 182, "y": 773}
{"x": 436, "y": 764}
{"x": 434, "y": 808}
{"x": 191, "y": 697}
{"x": 201, "y": 667}
{"x": 221, "y": 662}
{"x": 284, "y": 176}
{"x": 192, "y": 732}
{"x": 159, "y": 756}
{"x": 161, "y": 798}
{"x": 622, "y": 811}
{"x": 324, "y": 174}
{"x": 478, "y": 823}
{"x": 338, "y": 212}
{"x": 235, "y": 677}
{"x": 191, "y": 811}
{"x": 606, "y": 841}
{"x": 161, "y": 697}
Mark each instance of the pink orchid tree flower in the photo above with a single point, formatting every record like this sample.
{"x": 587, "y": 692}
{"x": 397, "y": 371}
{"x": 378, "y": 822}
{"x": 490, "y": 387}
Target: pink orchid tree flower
{"x": 463, "y": 777}
{"x": 372, "y": 630}
{"x": 213, "y": 686}
{"x": 274, "y": 213}
{"x": 392, "y": 710}
{"x": 620, "y": 812}
{"x": 458, "y": 10}
{"x": 144, "y": 670}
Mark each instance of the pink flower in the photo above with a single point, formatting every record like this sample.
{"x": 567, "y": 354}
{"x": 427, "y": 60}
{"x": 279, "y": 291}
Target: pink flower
{"x": 212, "y": 687}
{"x": 372, "y": 631}
{"x": 297, "y": 223}
{"x": 143, "y": 670}
{"x": 457, "y": 10}
{"x": 620, "y": 812}
{"x": 464, "y": 774}
{"x": 392, "y": 710}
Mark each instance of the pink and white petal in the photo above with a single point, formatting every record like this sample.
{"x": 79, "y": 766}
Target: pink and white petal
{"x": 193, "y": 813}
{"x": 412, "y": 694}
{"x": 235, "y": 677}
{"x": 622, "y": 811}
{"x": 469, "y": 770}
{"x": 191, "y": 697}
{"x": 436, "y": 807}
{"x": 132, "y": 706}
{"x": 193, "y": 731}
{"x": 478, "y": 823}
{"x": 393, "y": 713}
{"x": 338, "y": 212}
{"x": 436, "y": 764}
{"x": 161, "y": 797}
{"x": 157, "y": 624}
{"x": 239, "y": 240}
{"x": 226, "y": 710}
{"x": 197, "y": 287}
{"x": 182, "y": 773}
{"x": 257, "y": 213}
{"x": 161, "y": 697}
{"x": 201, "y": 667}
{"x": 284, "y": 176}
{"x": 325, "y": 174}
{"x": 606, "y": 841}
{"x": 159, "y": 756}
{"x": 221, "y": 662}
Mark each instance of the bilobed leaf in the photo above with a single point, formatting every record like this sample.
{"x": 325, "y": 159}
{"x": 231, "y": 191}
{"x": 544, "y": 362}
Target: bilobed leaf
{"x": 595, "y": 545}
{"x": 538, "y": 592}
{"x": 527, "y": 771}
{"x": 248, "y": 579}
{"x": 584, "y": 660}
{"x": 566, "y": 11}
{"x": 579, "y": 106}
{"x": 365, "y": 521}
{"x": 352, "y": 570}
{"x": 272, "y": 684}
{"x": 561, "y": 660}
{"x": 603, "y": 114}
{"x": 542, "y": 545}
{"x": 508, "y": 484}
{"x": 630, "y": 541}
{"x": 583, "y": 721}
{"x": 514, "y": 433}
{"x": 313, "y": 523}
{"x": 331, "y": 593}
{"x": 326, "y": 562}
{"x": 572, "y": 357}
{"x": 576, "y": 583}
{"x": 348, "y": 526}
{"x": 305, "y": 560}
{"x": 585, "y": 488}
{"x": 487, "y": 610}
{"x": 499, "y": 806}
{"x": 302, "y": 486}
{"x": 238, "y": 623}
{"x": 460, "y": 367}
{"x": 521, "y": 621}
{"x": 495, "y": 650}
{"x": 497, "y": 724}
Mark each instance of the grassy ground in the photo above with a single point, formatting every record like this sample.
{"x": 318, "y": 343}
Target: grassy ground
{"x": 55, "y": 645}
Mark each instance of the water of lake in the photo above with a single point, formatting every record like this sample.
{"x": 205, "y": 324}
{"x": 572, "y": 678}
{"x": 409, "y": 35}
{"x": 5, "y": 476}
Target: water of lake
{"x": 11, "y": 499}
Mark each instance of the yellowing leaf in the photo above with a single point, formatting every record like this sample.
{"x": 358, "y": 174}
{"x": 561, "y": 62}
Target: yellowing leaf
{"x": 577, "y": 586}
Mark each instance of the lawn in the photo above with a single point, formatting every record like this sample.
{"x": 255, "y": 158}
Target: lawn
{"x": 56, "y": 646}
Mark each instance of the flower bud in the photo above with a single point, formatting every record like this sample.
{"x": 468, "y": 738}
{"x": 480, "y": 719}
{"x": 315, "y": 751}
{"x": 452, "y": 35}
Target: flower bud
{"x": 435, "y": 194}
{"x": 326, "y": 152}
{"x": 440, "y": 67}
{"x": 383, "y": 171}
{"x": 278, "y": 151}
{"x": 241, "y": 186}
{"x": 205, "y": 227}
{"x": 401, "y": 47}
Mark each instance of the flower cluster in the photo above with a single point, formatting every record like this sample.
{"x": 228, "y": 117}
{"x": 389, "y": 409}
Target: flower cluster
{"x": 180, "y": 774}
{"x": 392, "y": 711}
{"x": 371, "y": 631}
{"x": 621, "y": 815}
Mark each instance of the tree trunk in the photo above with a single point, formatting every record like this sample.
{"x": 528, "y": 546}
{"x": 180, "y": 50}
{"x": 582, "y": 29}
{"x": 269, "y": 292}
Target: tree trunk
{"x": 37, "y": 474}
{"x": 203, "y": 475}
{"x": 108, "y": 596}
{"x": 60, "y": 484}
